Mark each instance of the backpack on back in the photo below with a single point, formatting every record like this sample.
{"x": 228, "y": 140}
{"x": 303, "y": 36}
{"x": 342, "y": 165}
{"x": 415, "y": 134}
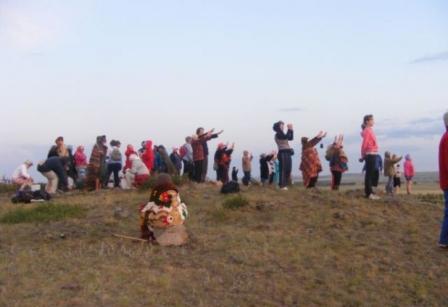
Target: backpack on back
{"x": 183, "y": 151}
{"x": 115, "y": 155}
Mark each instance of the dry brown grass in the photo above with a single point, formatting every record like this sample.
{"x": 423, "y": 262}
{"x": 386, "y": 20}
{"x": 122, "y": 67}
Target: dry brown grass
{"x": 285, "y": 248}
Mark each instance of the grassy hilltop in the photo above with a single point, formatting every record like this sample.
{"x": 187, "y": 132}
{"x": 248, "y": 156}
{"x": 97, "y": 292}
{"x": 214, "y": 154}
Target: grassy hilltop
{"x": 278, "y": 249}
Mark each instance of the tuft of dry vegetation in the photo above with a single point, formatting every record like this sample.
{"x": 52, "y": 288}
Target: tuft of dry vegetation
{"x": 294, "y": 248}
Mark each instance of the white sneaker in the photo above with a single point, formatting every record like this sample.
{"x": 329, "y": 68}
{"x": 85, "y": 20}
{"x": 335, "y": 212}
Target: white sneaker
{"x": 284, "y": 189}
{"x": 374, "y": 197}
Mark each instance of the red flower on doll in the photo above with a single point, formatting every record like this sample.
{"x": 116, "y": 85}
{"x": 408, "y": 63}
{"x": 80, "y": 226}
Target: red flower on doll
{"x": 165, "y": 197}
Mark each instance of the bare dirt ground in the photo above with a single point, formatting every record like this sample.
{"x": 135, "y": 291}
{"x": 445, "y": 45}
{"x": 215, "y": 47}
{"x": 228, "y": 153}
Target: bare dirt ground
{"x": 304, "y": 248}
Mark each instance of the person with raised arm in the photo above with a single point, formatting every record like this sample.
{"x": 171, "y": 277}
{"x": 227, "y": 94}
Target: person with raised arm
{"x": 201, "y": 152}
{"x": 310, "y": 163}
{"x": 338, "y": 160}
{"x": 285, "y": 152}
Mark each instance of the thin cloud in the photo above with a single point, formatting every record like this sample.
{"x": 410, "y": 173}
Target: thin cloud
{"x": 26, "y": 29}
{"x": 442, "y": 56}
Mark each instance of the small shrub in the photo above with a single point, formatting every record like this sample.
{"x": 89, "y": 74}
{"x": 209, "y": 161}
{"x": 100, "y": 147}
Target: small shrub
{"x": 179, "y": 180}
{"x": 152, "y": 182}
{"x": 235, "y": 202}
{"x": 42, "y": 213}
{"x": 148, "y": 184}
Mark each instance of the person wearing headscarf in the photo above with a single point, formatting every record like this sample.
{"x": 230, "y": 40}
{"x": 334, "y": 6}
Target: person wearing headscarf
{"x": 96, "y": 169}
{"x": 129, "y": 151}
{"x": 310, "y": 163}
{"x": 148, "y": 155}
{"x": 137, "y": 174}
{"x": 223, "y": 158}
{"x": 114, "y": 163}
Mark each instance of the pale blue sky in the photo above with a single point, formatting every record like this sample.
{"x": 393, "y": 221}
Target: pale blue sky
{"x": 158, "y": 69}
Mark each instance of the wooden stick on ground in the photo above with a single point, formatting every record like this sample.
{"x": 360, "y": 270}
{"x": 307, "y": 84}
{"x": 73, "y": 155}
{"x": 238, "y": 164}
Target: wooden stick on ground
{"x": 129, "y": 238}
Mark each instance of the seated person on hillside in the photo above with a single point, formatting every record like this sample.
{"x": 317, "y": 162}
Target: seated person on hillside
{"x": 137, "y": 174}
{"x": 21, "y": 177}
{"x": 54, "y": 170}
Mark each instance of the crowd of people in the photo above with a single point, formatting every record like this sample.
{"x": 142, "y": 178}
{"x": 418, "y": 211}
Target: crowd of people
{"x": 66, "y": 170}
{"x": 107, "y": 166}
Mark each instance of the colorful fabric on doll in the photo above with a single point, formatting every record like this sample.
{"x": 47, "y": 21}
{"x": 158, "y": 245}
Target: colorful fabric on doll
{"x": 164, "y": 210}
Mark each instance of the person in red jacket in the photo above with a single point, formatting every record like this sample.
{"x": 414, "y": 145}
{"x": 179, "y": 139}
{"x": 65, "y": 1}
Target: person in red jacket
{"x": 148, "y": 156}
{"x": 443, "y": 173}
{"x": 128, "y": 163}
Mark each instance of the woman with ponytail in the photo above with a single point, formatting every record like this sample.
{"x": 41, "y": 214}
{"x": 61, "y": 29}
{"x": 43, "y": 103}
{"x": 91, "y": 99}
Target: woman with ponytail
{"x": 369, "y": 154}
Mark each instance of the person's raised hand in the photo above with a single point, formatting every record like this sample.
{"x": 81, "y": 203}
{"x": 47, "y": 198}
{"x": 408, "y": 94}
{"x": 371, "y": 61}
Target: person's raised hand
{"x": 290, "y": 127}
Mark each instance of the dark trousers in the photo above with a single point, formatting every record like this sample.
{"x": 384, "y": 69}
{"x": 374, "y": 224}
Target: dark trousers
{"x": 336, "y": 180}
{"x": 370, "y": 174}
{"x": 198, "y": 170}
{"x": 376, "y": 178}
{"x": 313, "y": 182}
{"x": 247, "y": 178}
{"x": 204, "y": 169}
{"x": 285, "y": 167}
{"x": 188, "y": 169}
{"x": 115, "y": 169}
{"x": 444, "y": 230}
{"x": 223, "y": 173}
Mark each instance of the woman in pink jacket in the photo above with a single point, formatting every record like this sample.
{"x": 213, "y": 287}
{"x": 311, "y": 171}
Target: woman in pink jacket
{"x": 409, "y": 173}
{"x": 369, "y": 153}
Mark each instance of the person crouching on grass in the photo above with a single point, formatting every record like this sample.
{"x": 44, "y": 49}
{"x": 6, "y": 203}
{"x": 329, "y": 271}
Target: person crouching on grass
{"x": 338, "y": 161}
{"x": 21, "y": 177}
{"x": 310, "y": 163}
{"x": 443, "y": 174}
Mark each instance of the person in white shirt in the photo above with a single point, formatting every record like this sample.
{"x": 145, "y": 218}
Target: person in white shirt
{"x": 137, "y": 174}
{"x": 21, "y": 177}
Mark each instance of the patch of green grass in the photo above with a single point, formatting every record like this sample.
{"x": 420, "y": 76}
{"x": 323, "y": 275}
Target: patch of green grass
{"x": 179, "y": 180}
{"x": 42, "y": 213}
{"x": 431, "y": 198}
{"x": 235, "y": 202}
{"x": 7, "y": 188}
{"x": 152, "y": 182}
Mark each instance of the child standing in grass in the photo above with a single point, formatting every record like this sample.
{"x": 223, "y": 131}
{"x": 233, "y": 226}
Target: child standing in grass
{"x": 247, "y": 167}
{"x": 397, "y": 179}
{"x": 223, "y": 157}
{"x": 264, "y": 167}
{"x": 390, "y": 170}
{"x": 310, "y": 164}
{"x": 409, "y": 173}
{"x": 338, "y": 161}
